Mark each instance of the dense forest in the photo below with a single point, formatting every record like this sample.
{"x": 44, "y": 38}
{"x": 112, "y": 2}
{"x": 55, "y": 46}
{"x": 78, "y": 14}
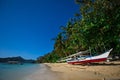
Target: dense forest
{"x": 96, "y": 27}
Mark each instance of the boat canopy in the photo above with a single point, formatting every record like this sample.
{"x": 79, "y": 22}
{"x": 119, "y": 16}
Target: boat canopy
{"x": 78, "y": 53}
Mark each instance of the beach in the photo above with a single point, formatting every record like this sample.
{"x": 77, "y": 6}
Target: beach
{"x": 64, "y": 71}
{"x": 61, "y": 71}
{"x": 101, "y": 71}
{"x": 43, "y": 73}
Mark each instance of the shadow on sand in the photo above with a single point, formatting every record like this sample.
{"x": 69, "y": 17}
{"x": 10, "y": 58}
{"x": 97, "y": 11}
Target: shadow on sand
{"x": 105, "y": 64}
{"x": 101, "y": 64}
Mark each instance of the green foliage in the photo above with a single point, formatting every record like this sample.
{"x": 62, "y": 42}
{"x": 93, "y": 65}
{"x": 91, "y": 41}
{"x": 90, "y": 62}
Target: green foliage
{"x": 49, "y": 57}
{"x": 96, "y": 27}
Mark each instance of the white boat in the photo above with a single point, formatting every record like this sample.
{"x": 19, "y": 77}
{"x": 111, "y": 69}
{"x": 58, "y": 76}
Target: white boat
{"x": 89, "y": 59}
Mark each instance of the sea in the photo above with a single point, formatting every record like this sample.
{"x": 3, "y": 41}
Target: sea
{"x": 17, "y": 71}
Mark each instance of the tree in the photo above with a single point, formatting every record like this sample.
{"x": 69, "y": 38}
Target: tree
{"x": 96, "y": 27}
{"x": 100, "y": 21}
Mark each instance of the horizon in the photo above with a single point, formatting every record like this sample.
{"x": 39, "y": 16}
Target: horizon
{"x": 28, "y": 26}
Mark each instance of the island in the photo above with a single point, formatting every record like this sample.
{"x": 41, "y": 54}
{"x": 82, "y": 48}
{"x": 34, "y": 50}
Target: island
{"x": 16, "y": 60}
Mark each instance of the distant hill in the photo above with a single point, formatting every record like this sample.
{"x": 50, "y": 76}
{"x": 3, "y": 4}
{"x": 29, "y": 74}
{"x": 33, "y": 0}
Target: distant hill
{"x": 18, "y": 58}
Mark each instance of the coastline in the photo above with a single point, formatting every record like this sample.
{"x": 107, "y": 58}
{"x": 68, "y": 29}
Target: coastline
{"x": 101, "y": 71}
{"x": 64, "y": 71}
{"x": 43, "y": 73}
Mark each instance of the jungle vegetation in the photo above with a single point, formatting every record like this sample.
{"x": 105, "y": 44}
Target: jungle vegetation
{"x": 96, "y": 27}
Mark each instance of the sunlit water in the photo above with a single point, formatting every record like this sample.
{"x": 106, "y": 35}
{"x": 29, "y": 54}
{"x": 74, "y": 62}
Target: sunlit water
{"x": 16, "y": 71}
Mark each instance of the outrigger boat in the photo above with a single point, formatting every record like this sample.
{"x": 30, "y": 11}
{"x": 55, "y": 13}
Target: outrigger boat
{"x": 78, "y": 59}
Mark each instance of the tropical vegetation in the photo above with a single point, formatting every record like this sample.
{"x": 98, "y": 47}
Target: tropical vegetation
{"x": 95, "y": 28}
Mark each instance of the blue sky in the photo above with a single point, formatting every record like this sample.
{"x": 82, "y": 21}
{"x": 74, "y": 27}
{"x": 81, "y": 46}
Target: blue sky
{"x": 28, "y": 26}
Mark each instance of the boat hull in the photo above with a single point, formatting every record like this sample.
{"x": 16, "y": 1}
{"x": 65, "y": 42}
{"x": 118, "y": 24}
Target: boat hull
{"x": 92, "y": 59}
{"x": 88, "y": 61}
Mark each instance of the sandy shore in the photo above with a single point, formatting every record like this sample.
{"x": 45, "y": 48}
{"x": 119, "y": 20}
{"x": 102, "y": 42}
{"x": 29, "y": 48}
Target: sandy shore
{"x": 43, "y": 73}
{"x": 64, "y": 71}
{"x": 101, "y": 71}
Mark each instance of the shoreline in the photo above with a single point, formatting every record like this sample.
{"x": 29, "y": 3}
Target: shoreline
{"x": 64, "y": 71}
{"x": 102, "y": 71}
{"x": 43, "y": 73}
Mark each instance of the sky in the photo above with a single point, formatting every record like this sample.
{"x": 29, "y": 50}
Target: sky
{"x": 27, "y": 27}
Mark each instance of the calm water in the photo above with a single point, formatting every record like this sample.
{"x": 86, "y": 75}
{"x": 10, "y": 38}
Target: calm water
{"x": 16, "y": 71}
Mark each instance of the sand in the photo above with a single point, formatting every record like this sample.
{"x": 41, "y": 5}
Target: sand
{"x": 64, "y": 71}
{"x": 101, "y": 71}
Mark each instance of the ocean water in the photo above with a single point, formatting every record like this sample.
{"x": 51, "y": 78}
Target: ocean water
{"x": 16, "y": 71}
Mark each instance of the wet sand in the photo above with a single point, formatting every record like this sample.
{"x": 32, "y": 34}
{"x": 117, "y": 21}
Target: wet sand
{"x": 64, "y": 71}
{"x": 43, "y": 73}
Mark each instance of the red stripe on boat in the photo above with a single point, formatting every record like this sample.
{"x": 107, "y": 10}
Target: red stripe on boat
{"x": 88, "y": 61}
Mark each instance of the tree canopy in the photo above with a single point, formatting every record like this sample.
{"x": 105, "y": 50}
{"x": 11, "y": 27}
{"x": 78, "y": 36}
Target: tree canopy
{"x": 96, "y": 27}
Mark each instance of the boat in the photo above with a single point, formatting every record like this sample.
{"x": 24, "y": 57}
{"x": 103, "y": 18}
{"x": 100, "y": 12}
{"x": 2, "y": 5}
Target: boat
{"x": 70, "y": 56}
{"x": 80, "y": 59}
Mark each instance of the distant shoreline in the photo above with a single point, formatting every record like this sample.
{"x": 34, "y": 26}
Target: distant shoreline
{"x": 17, "y": 59}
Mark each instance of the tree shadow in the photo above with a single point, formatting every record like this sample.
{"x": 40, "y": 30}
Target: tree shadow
{"x": 104, "y": 64}
{"x": 101, "y": 64}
